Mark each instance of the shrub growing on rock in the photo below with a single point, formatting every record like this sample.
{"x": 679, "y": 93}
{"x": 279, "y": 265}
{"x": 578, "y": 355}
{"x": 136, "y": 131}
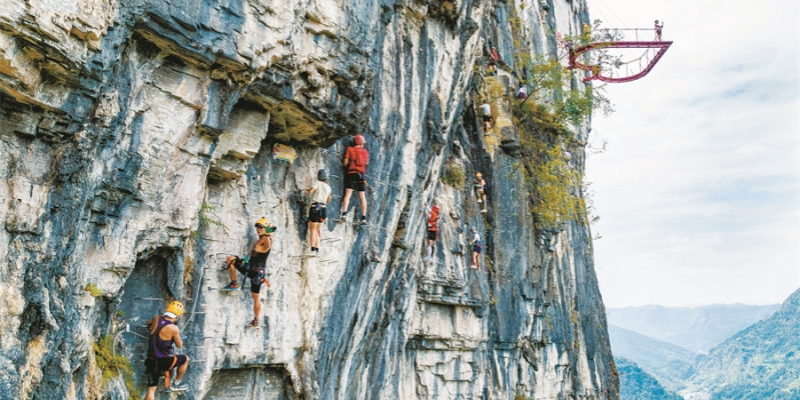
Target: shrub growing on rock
{"x": 443, "y": 10}
{"x": 453, "y": 176}
{"x": 112, "y": 365}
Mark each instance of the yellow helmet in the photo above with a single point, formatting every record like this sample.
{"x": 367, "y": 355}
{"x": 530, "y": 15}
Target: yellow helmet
{"x": 176, "y": 307}
{"x": 263, "y": 222}
{"x": 478, "y": 175}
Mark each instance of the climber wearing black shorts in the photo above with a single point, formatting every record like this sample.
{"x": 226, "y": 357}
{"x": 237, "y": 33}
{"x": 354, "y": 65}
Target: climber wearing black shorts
{"x": 254, "y": 272}
{"x": 255, "y": 267}
{"x": 432, "y": 235}
{"x": 355, "y": 181}
{"x": 317, "y": 213}
{"x": 156, "y": 367}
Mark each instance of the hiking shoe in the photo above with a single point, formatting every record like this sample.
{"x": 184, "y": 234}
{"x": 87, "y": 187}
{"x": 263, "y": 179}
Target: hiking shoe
{"x": 363, "y": 220}
{"x": 473, "y": 266}
{"x": 232, "y": 286}
{"x": 484, "y": 210}
{"x": 480, "y": 201}
{"x": 178, "y": 387}
{"x": 254, "y": 323}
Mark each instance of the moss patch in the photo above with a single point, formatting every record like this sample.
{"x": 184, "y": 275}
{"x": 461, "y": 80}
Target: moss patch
{"x": 453, "y": 175}
{"x": 445, "y": 11}
{"x": 93, "y": 290}
{"x": 112, "y": 365}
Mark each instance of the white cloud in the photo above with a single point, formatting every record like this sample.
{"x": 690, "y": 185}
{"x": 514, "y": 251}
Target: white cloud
{"x": 698, "y": 190}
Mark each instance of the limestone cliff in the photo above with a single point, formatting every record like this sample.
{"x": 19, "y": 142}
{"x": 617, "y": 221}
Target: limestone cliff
{"x": 136, "y": 146}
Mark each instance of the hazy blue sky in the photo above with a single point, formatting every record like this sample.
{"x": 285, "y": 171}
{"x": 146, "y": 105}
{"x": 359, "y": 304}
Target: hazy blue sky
{"x": 698, "y": 188}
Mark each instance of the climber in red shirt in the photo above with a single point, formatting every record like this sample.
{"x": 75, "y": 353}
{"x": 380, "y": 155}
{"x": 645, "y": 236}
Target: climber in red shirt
{"x": 433, "y": 230}
{"x": 356, "y": 159}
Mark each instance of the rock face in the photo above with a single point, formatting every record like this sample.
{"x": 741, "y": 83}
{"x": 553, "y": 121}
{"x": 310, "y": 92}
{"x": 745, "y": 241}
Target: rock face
{"x": 136, "y": 147}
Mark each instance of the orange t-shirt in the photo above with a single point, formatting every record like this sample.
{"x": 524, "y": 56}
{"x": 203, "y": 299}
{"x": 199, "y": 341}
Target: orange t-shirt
{"x": 358, "y": 157}
{"x": 432, "y": 225}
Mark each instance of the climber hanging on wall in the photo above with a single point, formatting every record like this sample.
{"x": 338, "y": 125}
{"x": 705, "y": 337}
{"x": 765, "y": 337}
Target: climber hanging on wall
{"x": 522, "y": 92}
{"x": 255, "y": 267}
{"x": 480, "y": 191}
{"x": 545, "y": 8}
{"x": 491, "y": 70}
{"x": 433, "y": 230}
{"x": 355, "y": 160}
{"x": 486, "y": 110}
{"x": 320, "y": 195}
{"x": 160, "y": 360}
{"x": 475, "y": 245}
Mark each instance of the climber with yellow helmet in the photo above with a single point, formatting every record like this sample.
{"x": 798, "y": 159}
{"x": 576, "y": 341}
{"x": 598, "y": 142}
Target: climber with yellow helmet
{"x": 160, "y": 360}
{"x": 480, "y": 190}
{"x": 255, "y": 267}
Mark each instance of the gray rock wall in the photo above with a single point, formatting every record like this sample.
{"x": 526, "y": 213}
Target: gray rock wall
{"x": 135, "y": 145}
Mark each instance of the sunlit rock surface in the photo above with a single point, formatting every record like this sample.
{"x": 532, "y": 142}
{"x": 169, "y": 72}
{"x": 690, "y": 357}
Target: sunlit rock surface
{"x": 136, "y": 147}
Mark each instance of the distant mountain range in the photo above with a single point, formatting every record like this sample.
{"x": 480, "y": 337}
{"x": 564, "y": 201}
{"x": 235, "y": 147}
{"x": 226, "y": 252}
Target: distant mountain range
{"x": 672, "y": 365}
{"x": 695, "y": 328}
{"x": 636, "y": 384}
{"x": 760, "y": 362}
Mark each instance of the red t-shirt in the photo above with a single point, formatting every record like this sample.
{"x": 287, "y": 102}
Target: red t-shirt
{"x": 432, "y": 225}
{"x": 358, "y": 157}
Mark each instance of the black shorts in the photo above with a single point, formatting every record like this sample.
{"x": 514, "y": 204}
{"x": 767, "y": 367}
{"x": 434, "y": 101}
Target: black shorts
{"x": 317, "y": 213}
{"x": 487, "y": 118}
{"x": 155, "y": 367}
{"x": 355, "y": 181}
{"x": 432, "y": 235}
{"x": 255, "y": 273}
{"x": 477, "y": 248}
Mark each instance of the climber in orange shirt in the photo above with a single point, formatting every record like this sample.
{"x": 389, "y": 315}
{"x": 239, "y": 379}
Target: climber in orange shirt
{"x": 356, "y": 159}
{"x": 433, "y": 230}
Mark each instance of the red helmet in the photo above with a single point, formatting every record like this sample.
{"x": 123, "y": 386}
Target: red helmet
{"x": 358, "y": 139}
{"x": 435, "y": 208}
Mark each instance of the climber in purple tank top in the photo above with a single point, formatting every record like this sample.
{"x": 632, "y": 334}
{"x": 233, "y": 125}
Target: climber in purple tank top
{"x": 160, "y": 360}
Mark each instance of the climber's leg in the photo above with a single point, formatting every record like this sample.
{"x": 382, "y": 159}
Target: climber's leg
{"x": 346, "y": 201}
{"x": 232, "y": 267}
